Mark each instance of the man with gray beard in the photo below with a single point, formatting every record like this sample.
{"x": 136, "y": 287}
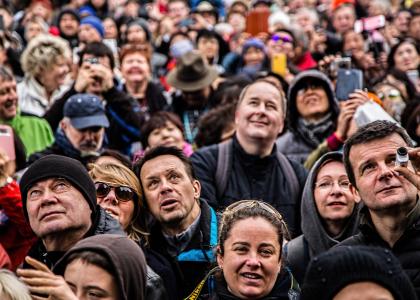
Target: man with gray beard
{"x": 82, "y": 130}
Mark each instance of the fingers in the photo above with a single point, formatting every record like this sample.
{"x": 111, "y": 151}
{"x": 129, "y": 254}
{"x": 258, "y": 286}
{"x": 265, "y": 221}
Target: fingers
{"x": 37, "y": 264}
{"x": 409, "y": 175}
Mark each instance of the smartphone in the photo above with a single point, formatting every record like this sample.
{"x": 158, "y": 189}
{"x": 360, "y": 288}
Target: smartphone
{"x": 279, "y": 64}
{"x": 348, "y": 80}
{"x": 7, "y": 143}
{"x": 186, "y": 22}
{"x": 369, "y": 24}
{"x": 257, "y": 21}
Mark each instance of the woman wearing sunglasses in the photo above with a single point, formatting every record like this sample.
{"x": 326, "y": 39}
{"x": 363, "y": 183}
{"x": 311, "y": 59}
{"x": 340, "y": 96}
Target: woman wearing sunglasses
{"x": 249, "y": 255}
{"x": 118, "y": 192}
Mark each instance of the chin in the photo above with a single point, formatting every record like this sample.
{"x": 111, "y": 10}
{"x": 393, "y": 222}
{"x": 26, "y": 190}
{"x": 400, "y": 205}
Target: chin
{"x": 251, "y": 292}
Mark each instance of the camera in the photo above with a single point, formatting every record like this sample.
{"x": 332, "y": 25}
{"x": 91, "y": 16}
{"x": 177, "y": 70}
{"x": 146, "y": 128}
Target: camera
{"x": 401, "y": 158}
{"x": 92, "y": 60}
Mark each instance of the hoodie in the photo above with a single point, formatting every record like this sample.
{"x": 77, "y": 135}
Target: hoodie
{"x": 315, "y": 238}
{"x": 302, "y": 137}
{"x": 125, "y": 258}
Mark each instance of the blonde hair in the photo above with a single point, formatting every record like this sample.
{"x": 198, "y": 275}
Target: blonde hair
{"x": 114, "y": 173}
{"x": 42, "y": 53}
{"x": 11, "y": 287}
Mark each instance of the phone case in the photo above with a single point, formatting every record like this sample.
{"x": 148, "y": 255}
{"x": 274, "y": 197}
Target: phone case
{"x": 279, "y": 64}
{"x": 348, "y": 80}
{"x": 7, "y": 143}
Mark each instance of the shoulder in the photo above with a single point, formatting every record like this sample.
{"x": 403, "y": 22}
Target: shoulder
{"x": 207, "y": 155}
{"x": 354, "y": 240}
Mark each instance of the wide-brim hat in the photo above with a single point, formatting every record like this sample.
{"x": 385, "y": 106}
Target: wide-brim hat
{"x": 192, "y": 73}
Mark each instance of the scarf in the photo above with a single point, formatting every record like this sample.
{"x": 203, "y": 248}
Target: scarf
{"x": 315, "y": 133}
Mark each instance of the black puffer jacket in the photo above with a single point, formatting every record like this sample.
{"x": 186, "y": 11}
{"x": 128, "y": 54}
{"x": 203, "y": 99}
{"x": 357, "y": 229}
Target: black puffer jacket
{"x": 406, "y": 249}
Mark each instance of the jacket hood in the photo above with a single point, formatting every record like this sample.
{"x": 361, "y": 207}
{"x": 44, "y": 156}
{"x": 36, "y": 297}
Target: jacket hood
{"x": 312, "y": 226}
{"x": 125, "y": 257}
{"x": 302, "y": 77}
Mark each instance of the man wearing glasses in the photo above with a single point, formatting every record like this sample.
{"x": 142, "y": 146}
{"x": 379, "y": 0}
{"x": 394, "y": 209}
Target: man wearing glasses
{"x": 82, "y": 130}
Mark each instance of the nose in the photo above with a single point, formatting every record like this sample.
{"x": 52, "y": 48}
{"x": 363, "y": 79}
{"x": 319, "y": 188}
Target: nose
{"x": 165, "y": 186}
{"x": 110, "y": 199}
{"x": 253, "y": 262}
{"x": 336, "y": 189}
{"x": 49, "y": 198}
{"x": 385, "y": 171}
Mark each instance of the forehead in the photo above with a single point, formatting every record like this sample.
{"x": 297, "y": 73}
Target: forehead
{"x": 261, "y": 89}
{"x": 161, "y": 165}
{"x": 332, "y": 167}
{"x": 4, "y": 83}
{"x": 375, "y": 149}
{"x": 240, "y": 230}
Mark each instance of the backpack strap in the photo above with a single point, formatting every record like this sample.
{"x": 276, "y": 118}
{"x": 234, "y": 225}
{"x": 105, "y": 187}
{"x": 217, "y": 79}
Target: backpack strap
{"x": 297, "y": 255}
{"x": 289, "y": 174}
{"x": 224, "y": 161}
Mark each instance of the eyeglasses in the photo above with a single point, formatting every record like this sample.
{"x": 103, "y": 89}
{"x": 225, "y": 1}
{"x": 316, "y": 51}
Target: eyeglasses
{"x": 327, "y": 185}
{"x": 123, "y": 193}
{"x": 284, "y": 39}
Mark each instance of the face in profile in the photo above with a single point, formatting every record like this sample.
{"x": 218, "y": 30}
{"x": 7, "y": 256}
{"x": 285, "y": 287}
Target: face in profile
{"x": 89, "y": 281}
{"x": 251, "y": 259}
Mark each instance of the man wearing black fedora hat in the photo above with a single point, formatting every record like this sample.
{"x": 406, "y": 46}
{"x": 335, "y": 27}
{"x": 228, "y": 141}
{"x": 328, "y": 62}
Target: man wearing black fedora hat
{"x": 192, "y": 77}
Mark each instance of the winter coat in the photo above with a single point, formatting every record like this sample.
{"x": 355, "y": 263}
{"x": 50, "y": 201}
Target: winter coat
{"x": 251, "y": 177}
{"x": 315, "y": 238}
{"x": 16, "y": 235}
{"x": 191, "y": 265}
{"x": 406, "y": 249}
{"x": 302, "y": 137}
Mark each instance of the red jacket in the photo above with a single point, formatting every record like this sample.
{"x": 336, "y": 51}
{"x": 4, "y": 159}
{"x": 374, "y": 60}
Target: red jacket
{"x": 17, "y": 236}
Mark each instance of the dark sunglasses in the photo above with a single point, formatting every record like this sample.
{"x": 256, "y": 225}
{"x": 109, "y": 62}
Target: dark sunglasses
{"x": 123, "y": 193}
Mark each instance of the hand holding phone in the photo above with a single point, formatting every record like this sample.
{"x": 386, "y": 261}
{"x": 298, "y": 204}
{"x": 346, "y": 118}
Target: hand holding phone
{"x": 348, "y": 81}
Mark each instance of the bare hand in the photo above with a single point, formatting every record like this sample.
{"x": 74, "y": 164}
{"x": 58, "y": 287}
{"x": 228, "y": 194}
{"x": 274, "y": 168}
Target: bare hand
{"x": 42, "y": 281}
{"x": 105, "y": 74}
{"x": 347, "y": 110}
{"x": 84, "y": 78}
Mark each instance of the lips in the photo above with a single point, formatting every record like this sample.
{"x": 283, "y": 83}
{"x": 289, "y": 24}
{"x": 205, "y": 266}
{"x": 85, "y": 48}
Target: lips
{"x": 386, "y": 189}
{"x": 336, "y": 203}
{"x": 168, "y": 203}
{"x": 251, "y": 278}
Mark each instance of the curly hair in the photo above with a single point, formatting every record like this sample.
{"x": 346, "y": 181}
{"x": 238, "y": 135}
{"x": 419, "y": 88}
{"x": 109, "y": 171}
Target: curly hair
{"x": 42, "y": 53}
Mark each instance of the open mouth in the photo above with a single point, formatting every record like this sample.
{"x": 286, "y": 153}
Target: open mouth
{"x": 251, "y": 276}
{"x": 169, "y": 203}
{"x": 9, "y": 103}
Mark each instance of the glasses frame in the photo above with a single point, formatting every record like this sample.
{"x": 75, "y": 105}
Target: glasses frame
{"x": 115, "y": 187}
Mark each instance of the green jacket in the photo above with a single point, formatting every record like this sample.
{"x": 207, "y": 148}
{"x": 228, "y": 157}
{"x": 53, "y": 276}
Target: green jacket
{"x": 35, "y": 133}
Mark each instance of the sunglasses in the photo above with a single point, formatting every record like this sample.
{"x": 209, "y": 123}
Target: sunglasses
{"x": 123, "y": 193}
{"x": 284, "y": 39}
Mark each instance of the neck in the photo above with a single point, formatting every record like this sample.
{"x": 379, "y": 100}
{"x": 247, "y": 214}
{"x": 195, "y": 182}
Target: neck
{"x": 334, "y": 228}
{"x": 260, "y": 147}
{"x": 136, "y": 88}
{"x": 390, "y": 225}
{"x": 63, "y": 242}
{"x": 180, "y": 226}
{"x": 48, "y": 89}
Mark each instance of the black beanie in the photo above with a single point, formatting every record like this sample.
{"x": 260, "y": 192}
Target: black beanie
{"x": 333, "y": 270}
{"x": 54, "y": 166}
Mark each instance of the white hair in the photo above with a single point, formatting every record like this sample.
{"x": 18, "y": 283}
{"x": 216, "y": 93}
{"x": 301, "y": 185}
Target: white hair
{"x": 12, "y": 287}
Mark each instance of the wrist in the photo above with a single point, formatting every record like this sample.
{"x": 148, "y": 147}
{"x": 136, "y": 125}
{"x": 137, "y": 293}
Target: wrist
{"x": 334, "y": 142}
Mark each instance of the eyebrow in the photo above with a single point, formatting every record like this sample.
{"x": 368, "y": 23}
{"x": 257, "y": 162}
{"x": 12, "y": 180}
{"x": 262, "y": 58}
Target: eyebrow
{"x": 166, "y": 172}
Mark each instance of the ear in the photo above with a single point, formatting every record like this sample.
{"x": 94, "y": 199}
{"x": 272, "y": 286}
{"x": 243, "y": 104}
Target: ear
{"x": 197, "y": 189}
{"x": 219, "y": 257}
{"x": 355, "y": 193}
{"x": 63, "y": 125}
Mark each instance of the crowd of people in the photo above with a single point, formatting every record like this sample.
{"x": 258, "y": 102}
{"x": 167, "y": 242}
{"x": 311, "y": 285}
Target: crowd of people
{"x": 209, "y": 149}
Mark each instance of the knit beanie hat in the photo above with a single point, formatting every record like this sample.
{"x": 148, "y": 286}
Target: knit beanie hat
{"x": 95, "y": 23}
{"x": 253, "y": 43}
{"x": 333, "y": 270}
{"x": 58, "y": 166}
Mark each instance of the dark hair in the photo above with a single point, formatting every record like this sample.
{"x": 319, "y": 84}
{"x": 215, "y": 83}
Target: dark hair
{"x": 160, "y": 151}
{"x": 156, "y": 121}
{"x": 97, "y": 49}
{"x": 20, "y": 152}
{"x": 410, "y": 118}
{"x": 246, "y": 209}
{"x": 117, "y": 155}
{"x": 93, "y": 258}
{"x": 391, "y": 60}
{"x": 211, "y": 125}
{"x": 372, "y": 131}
